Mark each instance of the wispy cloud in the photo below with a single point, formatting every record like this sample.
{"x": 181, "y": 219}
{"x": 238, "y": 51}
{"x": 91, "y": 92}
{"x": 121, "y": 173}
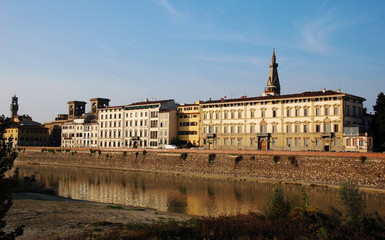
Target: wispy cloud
{"x": 169, "y": 8}
{"x": 317, "y": 35}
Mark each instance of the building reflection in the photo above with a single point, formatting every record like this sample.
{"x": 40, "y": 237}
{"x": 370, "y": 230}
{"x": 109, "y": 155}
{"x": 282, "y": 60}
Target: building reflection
{"x": 182, "y": 194}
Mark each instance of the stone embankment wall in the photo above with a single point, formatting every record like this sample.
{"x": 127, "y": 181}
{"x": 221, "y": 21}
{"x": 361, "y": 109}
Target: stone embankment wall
{"x": 301, "y": 167}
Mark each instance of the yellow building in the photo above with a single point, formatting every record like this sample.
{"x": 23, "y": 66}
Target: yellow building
{"x": 25, "y": 132}
{"x": 308, "y": 121}
{"x": 189, "y": 124}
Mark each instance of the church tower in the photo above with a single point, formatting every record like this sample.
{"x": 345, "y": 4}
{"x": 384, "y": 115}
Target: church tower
{"x": 273, "y": 88}
{"x": 14, "y": 107}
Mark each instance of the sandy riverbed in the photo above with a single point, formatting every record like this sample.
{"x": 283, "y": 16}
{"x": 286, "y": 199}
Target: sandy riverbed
{"x": 51, "y": 217}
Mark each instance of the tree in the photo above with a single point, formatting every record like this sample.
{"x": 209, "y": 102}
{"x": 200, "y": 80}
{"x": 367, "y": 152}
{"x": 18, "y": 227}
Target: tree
{"x": 7, "y": 157}
{"x": 277, "y": 206}
{"x": 378, "y": 123}
{"x": 353, "y": 203}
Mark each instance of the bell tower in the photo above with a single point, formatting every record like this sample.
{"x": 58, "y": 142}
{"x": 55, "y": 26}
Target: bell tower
{"x": 273, "y": 87}
{"x": 14, "y": 107}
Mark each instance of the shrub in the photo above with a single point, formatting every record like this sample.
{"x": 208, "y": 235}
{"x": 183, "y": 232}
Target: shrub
{"x": 183, "y": 156}
{"x": 252, "y": 158}
{"x": 276, "y": 158}
{"x": 363, "y": 159}
{"x": 144, "y": 152}
{"x": 99, "y": 152}
{"x": 238, "y": 159}
{"x": 136, "y": 154}
{"x": 277, "y": 206}
{"x": 212, "y": 157}
{"x": 293, "y": 161}
{"x": 124, "y": 153}
{"x": 352, "y": 202}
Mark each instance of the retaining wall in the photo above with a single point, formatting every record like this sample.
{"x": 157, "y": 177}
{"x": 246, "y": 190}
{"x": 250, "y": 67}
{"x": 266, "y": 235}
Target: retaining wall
{"x": 306, "y": 167}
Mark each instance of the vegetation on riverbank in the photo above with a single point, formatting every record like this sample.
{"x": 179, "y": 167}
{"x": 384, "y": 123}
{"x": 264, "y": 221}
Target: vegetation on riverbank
{"x": 282, "y": 219}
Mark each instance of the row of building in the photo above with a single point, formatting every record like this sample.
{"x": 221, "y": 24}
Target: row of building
{"x": 310, "y": 121}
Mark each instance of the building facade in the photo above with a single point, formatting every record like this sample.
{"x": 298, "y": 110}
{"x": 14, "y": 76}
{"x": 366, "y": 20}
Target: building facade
{"x": 189, "y": 124}
{"x": 147, "y": 124}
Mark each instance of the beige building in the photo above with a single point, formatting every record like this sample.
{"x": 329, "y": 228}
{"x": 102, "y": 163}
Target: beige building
{"x": 189, "y": 124}
{"x": 305, "y": 121}
{"x": 23, "y": 130}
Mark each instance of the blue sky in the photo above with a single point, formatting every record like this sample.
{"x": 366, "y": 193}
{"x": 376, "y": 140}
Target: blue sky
{"x": 52, "y": 52}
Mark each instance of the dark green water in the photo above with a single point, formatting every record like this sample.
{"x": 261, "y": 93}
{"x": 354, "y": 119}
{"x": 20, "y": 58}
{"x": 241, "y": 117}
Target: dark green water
{"x": 182, "y": 194}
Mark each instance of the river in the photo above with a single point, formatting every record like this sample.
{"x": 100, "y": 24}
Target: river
{"x": 177, "y": 193}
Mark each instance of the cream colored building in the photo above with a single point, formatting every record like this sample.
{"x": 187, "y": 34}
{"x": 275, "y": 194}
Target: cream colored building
{"x": 308, "y": 121}
{"x": 189, "y": 124}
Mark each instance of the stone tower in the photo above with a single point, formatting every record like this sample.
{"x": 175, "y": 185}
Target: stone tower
{"x": 14, "y": 107}
{"x": 273, "y": 88}
{"x": 97, "y": 103}
{"x": 76, "y": 109}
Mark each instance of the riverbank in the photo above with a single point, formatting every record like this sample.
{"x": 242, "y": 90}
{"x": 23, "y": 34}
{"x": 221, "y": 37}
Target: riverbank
{"x": 313, "y": 168}
{"x": 52, "y": 217}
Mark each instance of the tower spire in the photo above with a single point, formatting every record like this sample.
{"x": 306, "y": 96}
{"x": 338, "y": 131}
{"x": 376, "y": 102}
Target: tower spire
{"x": 273, "y": 86}
{"x": 14, "y": 107}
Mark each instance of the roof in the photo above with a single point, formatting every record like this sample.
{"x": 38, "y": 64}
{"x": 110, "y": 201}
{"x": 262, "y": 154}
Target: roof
{"x": 151, "y": 102}
{"x": 296, "y": 95}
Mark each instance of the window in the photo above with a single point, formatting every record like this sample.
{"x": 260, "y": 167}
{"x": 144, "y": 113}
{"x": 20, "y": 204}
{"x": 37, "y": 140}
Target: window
{"x": 252, "y": 129}
{"x": 232, "y": 141}
{"x": 224, "y": 129}
{"x": 232, "y": 115}
{"x": 232, "y": 129}
{"x": 336, "y": 142}
{"x": 288, "y": 112}
{"x": 327, "y": 127}
{"x": 251, "y": 141}
{"x": 317, "y": 128}
{"x": 306, "y": 142}
{"x": 335, "y": 127}
{"x": 153, "y": 134}
{"x": 239, "y": 114}
{"x": 317, "y": 142}
{"x": 336, "y": 110}
{"x": 297, "y": 112}
{"x": 274, "y": 141}
{"x": 297, "y": 141}
{"x": 288, "y": 128}
{"x": 263, "y": 128}
{"x": 296, "y": 128}
{"x": 225, "y": 115}
{"x": 239, "y": 129}
{"x": 274, "y": 113}
{"x": 262, "y": 113}
{"x": 225, "y": 141}
{"x": 318, "y": 111}
{"x": 305, "y": 112}
{"x": 288, "y": 142}
{"x": 252, "y": 113}
{"x": 326, "y": 111}
{"x": 274, "y": 128}
{"x": 305, "y": 128}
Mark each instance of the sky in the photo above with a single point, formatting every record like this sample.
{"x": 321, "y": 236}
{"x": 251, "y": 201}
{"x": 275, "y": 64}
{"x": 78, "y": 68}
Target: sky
{"x": 52, "y": 52}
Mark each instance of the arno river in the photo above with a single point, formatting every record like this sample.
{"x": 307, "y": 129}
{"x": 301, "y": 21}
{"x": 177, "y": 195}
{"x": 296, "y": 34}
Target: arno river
{"x": 182, "y": 194}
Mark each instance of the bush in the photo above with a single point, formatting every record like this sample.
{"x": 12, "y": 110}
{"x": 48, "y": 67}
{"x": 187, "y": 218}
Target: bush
{"x": 252, "y": 158}
{"x": 136, "y": 154}
{"x": 238, "y": 159}
{"x": 276, "y": 158}
{"x": 212, "y": 157}
{"x": 363, "y": 159}
{"x": 183, "y": 156}
{"x": 124, "y": 153}
{"x": 277, "y": 206}
{"x": 352, "y": 202}
{"x": 293, "y": 161}
{"x": 144, "y": 152}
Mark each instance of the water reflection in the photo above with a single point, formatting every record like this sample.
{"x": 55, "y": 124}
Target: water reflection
{"x": 182, "y": 194}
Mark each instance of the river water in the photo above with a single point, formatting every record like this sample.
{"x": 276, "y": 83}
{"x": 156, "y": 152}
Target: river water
{"x": 177, "y": 193}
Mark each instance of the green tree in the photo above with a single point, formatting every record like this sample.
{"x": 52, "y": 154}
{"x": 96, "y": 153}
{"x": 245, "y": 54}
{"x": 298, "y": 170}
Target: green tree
{"x": 378, "y": 123}
{"x": 7, "y": 157}
{"x": 353, "y": 203}
{"x": 277, "y": 206}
